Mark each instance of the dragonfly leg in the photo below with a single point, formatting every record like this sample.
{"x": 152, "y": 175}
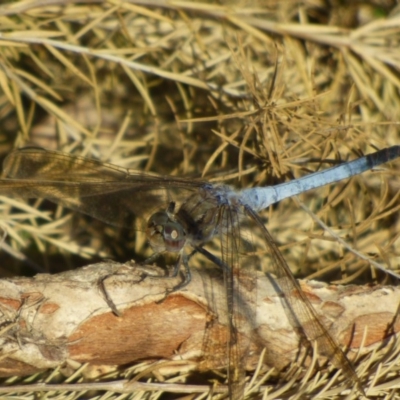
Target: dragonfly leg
{"x": 185, "y": 261}
{"x": 212, "y": 258}
{"x": 187, "y": 276}
{"x": 175, "y": 272}
{"x": 154, "y": 257}
{"x": 106, "y": 296}
{"x": 150, "y": 259}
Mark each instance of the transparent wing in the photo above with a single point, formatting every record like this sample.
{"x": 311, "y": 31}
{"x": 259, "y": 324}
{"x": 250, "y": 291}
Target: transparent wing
{"x": 207, "y": 215}
{"x": 104, "y": 191}
{"x": 231, "y": 249}
{"x": 299, "y": 310}
{"x": 234, "y": 261}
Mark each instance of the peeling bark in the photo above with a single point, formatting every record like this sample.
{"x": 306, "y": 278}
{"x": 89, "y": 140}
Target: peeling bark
{"x": 51, "y": 319}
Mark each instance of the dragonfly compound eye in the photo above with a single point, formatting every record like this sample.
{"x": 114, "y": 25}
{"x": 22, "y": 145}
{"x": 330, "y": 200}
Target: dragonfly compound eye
{"x": 174, "y": 236}
{"x": 155, "y": 231}
{"x": 165, "y": 234}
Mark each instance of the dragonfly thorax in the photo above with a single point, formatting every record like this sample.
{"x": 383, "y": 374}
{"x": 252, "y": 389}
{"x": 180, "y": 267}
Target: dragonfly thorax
{"x": 165, "y": 234}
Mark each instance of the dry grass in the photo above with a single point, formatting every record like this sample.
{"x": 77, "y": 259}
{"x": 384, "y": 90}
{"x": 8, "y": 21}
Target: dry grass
{"x": 244, "y": 94}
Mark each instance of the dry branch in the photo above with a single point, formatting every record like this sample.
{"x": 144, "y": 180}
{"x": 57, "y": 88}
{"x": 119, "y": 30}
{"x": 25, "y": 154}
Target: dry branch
{"x": 50, "y": 320}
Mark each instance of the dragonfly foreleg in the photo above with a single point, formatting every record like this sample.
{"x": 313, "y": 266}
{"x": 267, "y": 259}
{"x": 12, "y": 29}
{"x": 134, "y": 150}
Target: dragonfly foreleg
{"x": 106, "y": 296}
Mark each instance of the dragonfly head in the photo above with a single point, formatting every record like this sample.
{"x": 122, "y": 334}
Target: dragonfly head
{"x": 164, "y": 234}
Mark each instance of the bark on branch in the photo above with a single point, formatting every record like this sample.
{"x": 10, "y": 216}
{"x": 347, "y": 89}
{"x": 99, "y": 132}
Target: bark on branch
{"x": 51, "y": 319}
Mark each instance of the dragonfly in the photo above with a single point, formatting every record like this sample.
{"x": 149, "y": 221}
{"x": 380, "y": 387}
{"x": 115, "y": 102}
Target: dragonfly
{"x": 183, "y": 216}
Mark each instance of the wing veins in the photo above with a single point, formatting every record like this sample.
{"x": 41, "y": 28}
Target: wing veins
{"x": 230, "y": 248}
{"x": 300, "y": 309}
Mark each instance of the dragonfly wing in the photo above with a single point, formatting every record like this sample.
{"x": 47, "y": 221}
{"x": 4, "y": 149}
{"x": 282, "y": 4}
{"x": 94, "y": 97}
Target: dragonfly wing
{"x": 205, "y": 215}
{"x": 299, "y": 310}
{"x": 236, "y": 245}
{"x": 107, "y": 192}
